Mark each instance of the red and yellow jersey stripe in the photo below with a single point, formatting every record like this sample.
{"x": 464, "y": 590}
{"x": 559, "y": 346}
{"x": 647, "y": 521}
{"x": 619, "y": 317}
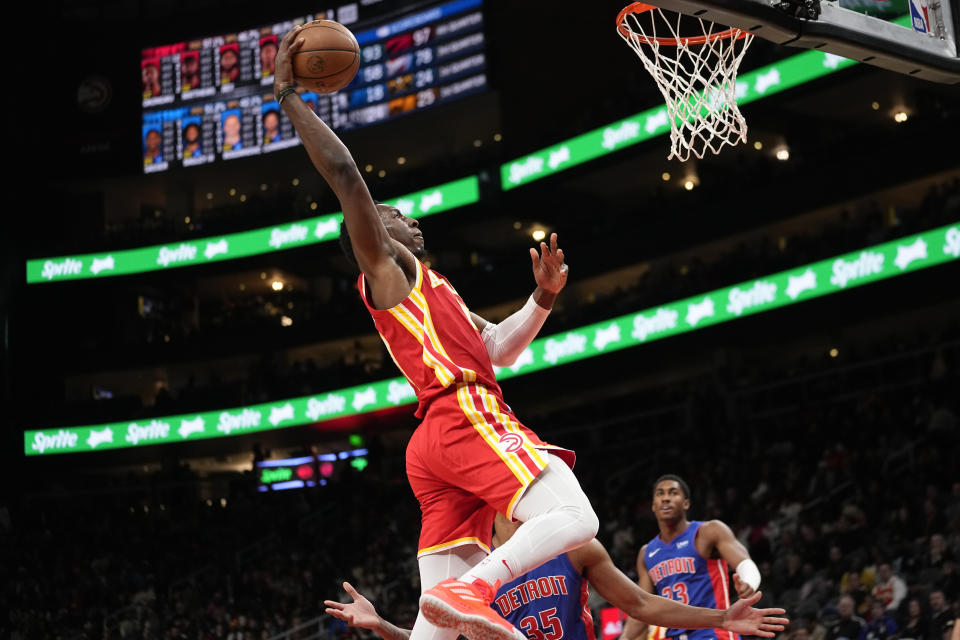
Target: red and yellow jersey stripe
{"x": 432, "y": 338}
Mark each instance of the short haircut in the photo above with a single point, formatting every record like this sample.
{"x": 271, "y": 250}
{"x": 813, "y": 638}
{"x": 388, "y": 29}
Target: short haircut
{"x": 669, "y": 476}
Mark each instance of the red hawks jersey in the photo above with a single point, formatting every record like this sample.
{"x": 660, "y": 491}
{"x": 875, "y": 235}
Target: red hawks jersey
{"x": 432, "y": 338}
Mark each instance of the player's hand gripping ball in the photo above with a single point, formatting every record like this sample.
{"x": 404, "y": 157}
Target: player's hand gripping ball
{"x": 329, "y": 57}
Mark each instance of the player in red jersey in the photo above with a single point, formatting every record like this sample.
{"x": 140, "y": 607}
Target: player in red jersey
{"x": 470, "y": 457}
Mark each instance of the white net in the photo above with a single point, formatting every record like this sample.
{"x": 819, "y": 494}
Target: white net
{"x": 697, "y": 76}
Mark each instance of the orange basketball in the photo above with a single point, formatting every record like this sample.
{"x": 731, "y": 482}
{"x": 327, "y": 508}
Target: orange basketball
{"x": 328, "y": 58}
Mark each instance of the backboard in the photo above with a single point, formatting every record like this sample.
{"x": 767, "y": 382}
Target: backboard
{"x": 913, "y": 37}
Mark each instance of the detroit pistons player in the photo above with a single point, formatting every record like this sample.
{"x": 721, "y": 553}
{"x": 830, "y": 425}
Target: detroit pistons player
{"x": 689, "y": 561}
{"x": 550, "y": 601}
{"x": 470, "y": 457}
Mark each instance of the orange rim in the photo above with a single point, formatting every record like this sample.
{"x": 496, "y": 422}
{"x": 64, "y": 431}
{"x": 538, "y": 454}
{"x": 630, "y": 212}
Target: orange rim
{"x": 642, "y": 7}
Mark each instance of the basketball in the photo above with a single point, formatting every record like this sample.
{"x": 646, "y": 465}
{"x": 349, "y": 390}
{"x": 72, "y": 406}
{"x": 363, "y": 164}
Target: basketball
{"x": 328, "y": 58}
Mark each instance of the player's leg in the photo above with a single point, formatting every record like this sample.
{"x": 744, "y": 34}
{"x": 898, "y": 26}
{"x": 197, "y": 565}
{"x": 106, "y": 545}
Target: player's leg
{"x": 477, "y": 448}
{"x": 456, "y": 527}
{"x": 556, "y": 516}
{"x": 434, "y": 568}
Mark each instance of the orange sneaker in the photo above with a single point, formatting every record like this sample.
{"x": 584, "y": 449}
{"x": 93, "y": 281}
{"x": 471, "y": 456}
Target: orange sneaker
{"x": 465, "y": 607}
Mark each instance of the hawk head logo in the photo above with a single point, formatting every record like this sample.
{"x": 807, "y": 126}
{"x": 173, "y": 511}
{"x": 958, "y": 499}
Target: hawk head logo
{"x": 511, "y": 442}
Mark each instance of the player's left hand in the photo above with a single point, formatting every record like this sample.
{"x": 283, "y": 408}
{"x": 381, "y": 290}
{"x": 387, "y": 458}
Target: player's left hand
{"x": 548, "y": 266}
{"x": 743, "y": 589}
{"x": 742, "y": 618}
{"x": 359, "y": 613}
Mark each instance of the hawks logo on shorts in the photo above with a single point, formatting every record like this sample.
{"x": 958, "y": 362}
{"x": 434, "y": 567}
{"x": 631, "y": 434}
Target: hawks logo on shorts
{"x": 511, "y": 442}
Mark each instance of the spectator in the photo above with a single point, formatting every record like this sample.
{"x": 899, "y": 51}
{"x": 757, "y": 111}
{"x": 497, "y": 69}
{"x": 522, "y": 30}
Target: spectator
{"x": 938, "y": 552}
{"x": 849, "y": 625}
{"x": 915, "y": 628}
{"x": 852, "y": 586}
{"x": 941, "y": 616}
{"x": 890, "y": 588}
{"x": 949, "y": 580}
{"x": 836, "y": 565}
{"x": 880, "y": 625}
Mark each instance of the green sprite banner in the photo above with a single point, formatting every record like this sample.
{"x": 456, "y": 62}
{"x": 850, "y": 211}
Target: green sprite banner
{"x": 240, "y": 245}
{"x": 787, "y": 287}
{"x": 653, "y": 122}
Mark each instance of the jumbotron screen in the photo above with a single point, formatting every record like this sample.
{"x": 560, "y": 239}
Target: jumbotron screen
{"x": 212, "y": 99}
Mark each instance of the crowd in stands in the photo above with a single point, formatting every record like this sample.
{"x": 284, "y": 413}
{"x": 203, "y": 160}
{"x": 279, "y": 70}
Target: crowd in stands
{"x": 874, "y": 222}
{"x": 272, "y": 378}
{"x": 847, "y": 496}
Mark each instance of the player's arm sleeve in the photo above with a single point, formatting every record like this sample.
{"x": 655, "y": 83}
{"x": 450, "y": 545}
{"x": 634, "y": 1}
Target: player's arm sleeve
{"x": 505, "y": 341}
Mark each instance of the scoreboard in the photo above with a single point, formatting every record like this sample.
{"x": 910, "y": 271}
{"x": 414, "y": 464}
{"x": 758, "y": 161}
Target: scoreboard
{"x": 212, "y": 99}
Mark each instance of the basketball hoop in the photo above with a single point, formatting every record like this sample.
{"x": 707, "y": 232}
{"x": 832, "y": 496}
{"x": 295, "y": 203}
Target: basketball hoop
{"x": 697, "y": 75}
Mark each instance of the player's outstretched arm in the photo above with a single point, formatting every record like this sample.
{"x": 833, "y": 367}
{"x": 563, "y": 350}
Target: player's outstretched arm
{"x": 618, "y": 590}
{"x": 361, "y": 613}
{"x": 717, "y": 535}
{"x": 508, "y": 339}
{"x": 372, "y": 246}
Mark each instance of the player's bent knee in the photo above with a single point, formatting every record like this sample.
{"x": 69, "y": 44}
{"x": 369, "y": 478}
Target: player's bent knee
{"x": 586, "y": 522}
{"x": 591, "y": 523}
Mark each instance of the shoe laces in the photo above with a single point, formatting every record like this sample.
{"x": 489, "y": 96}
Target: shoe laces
{"x": 487, "y": 591}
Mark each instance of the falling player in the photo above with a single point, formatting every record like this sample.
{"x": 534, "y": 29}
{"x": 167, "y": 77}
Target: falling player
{"x": 688, "y": 561}
{"x": 470, "y": 457}
{"x": 550, "y": 601}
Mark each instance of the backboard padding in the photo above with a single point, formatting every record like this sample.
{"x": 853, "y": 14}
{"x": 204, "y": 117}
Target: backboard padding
{"x": 842, "y": 32}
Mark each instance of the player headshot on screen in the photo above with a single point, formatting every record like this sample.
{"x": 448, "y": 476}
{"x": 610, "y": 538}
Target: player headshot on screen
{"x": 152, "y": 153}
{"x": 189, "y": 71}
{"x": 268, "y": 54}
{"x": 191, "y": 141}
{"x": 231, "y": 133}
{"x": 271, "y": 126}
{"x": 150, "y": 74}
{"x": 312, "y": 103}
{"x": 229, "y": 66}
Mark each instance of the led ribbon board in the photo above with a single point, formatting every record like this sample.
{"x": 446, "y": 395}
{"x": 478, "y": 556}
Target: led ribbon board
{"x": 301, "y": 233}
{"x": 722, "y": 305}
{"x": 654, "y": 122}
{"x": 305, "y": 471}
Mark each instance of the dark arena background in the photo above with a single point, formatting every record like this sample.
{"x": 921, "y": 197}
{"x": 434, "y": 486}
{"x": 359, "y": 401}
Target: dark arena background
{"x": 204, "y": 436}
